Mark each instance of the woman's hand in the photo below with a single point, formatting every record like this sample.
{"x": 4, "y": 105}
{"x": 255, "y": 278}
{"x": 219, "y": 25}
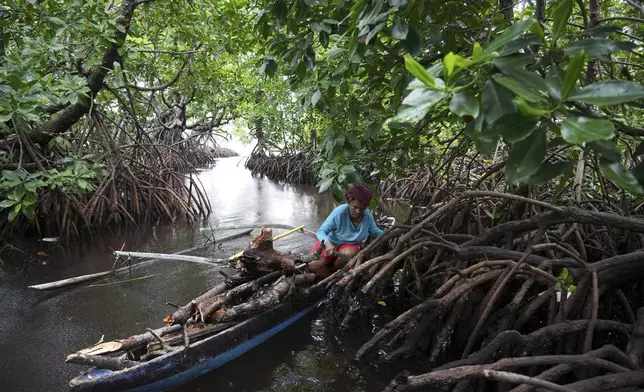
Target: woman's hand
{"x": 330, "y": 248}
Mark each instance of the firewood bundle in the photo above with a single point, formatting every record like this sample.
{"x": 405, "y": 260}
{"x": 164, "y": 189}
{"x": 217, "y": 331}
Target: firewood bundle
{"x": 266, "y": 278}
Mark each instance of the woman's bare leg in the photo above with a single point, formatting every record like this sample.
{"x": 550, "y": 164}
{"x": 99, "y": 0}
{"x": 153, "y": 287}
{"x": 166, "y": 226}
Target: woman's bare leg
{"x": 341, "y": 262}
{"x": 320, "y": 267}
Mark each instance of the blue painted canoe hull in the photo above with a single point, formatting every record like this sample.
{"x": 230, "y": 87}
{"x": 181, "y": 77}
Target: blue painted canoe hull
{"x": 177, "y": 368}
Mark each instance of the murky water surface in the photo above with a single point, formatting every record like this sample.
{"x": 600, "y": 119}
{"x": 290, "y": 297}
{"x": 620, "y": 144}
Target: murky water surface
{"x": 39, "y": 329}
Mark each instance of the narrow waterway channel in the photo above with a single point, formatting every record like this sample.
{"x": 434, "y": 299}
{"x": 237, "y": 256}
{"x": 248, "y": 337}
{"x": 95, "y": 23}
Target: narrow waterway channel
{"x": 38, "y": 330}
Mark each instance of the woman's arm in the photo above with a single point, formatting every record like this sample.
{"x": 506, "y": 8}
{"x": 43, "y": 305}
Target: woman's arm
{"x": 329, "y": 225}
{"x": 374, "y": 230}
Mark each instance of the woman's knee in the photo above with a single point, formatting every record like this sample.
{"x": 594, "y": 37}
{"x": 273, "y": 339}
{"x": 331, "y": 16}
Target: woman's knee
{"x": 349, "y": 251}
{"x": 320, "y": 268}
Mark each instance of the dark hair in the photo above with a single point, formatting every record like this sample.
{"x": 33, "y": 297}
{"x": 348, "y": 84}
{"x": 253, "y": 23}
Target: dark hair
{"x": 360, "y": 193}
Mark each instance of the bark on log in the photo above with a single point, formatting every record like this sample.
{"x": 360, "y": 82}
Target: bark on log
{"x": 263, "y": 241}
{"x": 264, "y": 299}
{"x": 111, "y": 363}
{"x": 609, "y": 382}
{"x": 193, "y": 335}
{"x": 261, "y": 257}
{"x": 182, "y": 315}
{"x": 222, "y": 287}
{"x": 209, "y": 305}
{"x": 142, "y": 339}
{"x": 256, "y": 262}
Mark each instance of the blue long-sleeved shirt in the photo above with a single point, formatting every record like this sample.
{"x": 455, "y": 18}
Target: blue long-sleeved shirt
{"x": 338, "y": 229}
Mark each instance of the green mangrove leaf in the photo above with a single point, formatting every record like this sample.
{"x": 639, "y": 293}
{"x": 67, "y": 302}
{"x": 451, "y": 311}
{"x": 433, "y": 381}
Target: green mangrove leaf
{"x": 464, "y": 103}
{"x": 413, "y": 43}
{"x": 418, "y": 103}
{"x": 548, "y": 171}
{"x": 520, "y": 88}
{"x": 496, "y": 101}
{"x": 526, "y": 157}
{"x": 599, "y": 47}
{"x": 510, "y": 34}
{"x": 514, "y": 127}
{"x": 554, "y": 81}
{"x": 578, "y": 130}
{"x": 609, "y": 93}
{"x": 484, "y": 143}
{"x": 528, "y": 109}
{"x": 509, "y": 63}
{"x": 606, "y": 149}
{"x": 418, "y": 71}
{"x": 616, "y": 173}
{"x": 573, "y": 71}
{"x": 400, "y": 29}
{"x": 561, "y": 15}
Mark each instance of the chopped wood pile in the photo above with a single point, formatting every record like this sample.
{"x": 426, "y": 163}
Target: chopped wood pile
{"x": 266, "y": 278}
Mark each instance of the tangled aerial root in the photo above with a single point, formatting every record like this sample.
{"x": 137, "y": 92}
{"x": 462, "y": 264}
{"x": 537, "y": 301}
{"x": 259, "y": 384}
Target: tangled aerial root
{"x": 479, "y": 297}
{"x": 293, "y": 169}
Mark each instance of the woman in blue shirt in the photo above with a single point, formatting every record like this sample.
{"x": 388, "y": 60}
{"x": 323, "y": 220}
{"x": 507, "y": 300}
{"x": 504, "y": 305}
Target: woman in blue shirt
{"x": 344, "y": 229}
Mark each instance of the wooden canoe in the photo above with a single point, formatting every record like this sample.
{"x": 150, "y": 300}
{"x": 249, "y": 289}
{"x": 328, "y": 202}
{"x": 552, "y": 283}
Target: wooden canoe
{"x": 177, "y": 368}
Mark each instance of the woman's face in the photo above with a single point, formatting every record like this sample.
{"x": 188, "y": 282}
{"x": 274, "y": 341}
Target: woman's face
{"x": 356, "y": 209}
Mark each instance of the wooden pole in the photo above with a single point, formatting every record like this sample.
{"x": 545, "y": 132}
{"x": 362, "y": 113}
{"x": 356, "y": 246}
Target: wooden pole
{"x": 165, "y": 256}
{"x": 91, "y": 277}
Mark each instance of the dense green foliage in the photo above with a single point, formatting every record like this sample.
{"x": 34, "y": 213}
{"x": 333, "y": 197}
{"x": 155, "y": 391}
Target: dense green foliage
{"x": 100, "y": 100}
{"x": 397, "y": 79}
{"x": 94, "y": 94}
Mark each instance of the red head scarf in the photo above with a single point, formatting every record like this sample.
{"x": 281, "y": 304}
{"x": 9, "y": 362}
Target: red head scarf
{"x": 360, "y": 193}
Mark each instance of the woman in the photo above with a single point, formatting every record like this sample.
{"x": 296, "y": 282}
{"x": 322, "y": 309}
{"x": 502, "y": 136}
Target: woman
{"x": 343, "y": 230}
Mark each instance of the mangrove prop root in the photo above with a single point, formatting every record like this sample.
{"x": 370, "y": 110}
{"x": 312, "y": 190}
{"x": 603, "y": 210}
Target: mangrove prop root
{"x": 290, "y": 168}
{"x": 452, "y": 375}
{"x": 635, "y": 348}
{"x": 516, "y": 266}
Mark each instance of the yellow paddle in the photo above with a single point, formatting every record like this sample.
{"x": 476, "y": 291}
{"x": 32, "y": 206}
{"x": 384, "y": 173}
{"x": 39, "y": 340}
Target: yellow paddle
{"x": 277, "y": 237}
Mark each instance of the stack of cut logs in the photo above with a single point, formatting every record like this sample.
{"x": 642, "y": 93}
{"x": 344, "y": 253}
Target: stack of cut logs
{"x": 266, "y": 278}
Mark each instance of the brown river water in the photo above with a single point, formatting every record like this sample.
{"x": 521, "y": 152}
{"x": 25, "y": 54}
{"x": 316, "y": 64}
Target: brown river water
{"x": 39, "y": 329}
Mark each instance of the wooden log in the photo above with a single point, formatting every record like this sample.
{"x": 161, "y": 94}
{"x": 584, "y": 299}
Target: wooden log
{"x": 277, "y": 237}
{"x": 208, "y": 306}
{"x": 192, "y": 335}
{"x": 165, "y": 256}
{"x": 635, "y": 347}
{"x": 131, "y": 343}
{"x": 263, "y": 240}
{"x": 111, "y": 363}
{"x": 183, "y": 314}
{"x": 139, "y": 340}
{"x": 261, "y": 258}
{"x": 264, "y": 299}
{"x": 222, "y": 287}
{"x": 71, "y": 281}
{"x": 256, "y": 262}
{"x": 90, "y": 277}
